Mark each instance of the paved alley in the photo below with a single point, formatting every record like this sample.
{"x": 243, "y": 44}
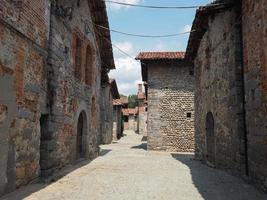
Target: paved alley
{"x": 126, "y": 171}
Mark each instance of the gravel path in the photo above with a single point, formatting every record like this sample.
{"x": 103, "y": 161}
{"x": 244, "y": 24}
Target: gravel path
{"x": 126, "y": 171}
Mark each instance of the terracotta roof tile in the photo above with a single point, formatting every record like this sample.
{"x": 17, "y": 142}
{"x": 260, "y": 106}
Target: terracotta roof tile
{"x": 117, "y": 102}
{"x": 160, "y": 55}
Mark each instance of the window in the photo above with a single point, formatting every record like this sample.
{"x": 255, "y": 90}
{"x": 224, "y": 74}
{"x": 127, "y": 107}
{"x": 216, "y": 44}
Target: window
{"x": 89, "y": 68}
{"x": 78, "y": 58}
{"x": 188, "y": 115}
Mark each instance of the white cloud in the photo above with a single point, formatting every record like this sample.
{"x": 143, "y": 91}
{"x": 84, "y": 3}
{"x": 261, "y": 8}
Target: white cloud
{"x": 160, "y": 46}
{"x": 127, "y": 47}
{"x": 117, "y": 7}
{"x": 128, "y": 70}
{"x": 186, "y": 28}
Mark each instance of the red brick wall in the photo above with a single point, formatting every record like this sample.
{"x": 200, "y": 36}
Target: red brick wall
{"x": 24, "y": 31}
{"x": 31, "y": 17}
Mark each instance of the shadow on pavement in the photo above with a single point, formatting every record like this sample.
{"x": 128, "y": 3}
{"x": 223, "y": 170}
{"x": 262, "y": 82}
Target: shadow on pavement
{"x": 104, "y": 152}
{"x": 26, "y": 191}
{"x": 214, "y": 184}
{"x": 141, "y": 146}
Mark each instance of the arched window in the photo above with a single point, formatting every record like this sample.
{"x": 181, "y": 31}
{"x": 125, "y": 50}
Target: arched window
{"x": 89, "y": 68}
{"x": 78, "y": 58}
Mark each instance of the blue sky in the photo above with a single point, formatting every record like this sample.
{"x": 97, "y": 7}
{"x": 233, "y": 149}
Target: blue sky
{"x": 150, "y": 22}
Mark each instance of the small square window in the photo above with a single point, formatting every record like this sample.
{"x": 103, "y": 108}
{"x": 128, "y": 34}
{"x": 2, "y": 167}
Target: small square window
{"x": 188, "y": 115}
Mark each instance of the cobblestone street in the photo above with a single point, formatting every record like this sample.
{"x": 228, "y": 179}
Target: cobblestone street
{"x": 126, "y": 171}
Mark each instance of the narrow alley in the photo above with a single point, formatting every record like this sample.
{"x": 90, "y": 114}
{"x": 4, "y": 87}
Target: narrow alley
{"x": 125, "y": 170}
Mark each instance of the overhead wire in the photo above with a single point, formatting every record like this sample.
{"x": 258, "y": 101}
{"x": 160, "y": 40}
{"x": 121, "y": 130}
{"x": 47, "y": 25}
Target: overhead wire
{"x": 143, "y": 35}
{"x": 159, "y": 7}
{"x": 118, "y": 48}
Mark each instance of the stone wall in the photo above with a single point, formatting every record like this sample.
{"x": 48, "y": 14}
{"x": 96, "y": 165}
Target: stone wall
{"x": 44, "y": 103}
{"x": 132, "y": 122}
{"x": 170, "y": 99}
{"x": 70, "y": 95}
{"x": 117, "y": 122}
{"x": 219, "y": 107}
{"x": 255, "y": 72}
{"x": 24, "y": 30}
{"x": 142, "y": 123}
{"x": 106, "y": 115}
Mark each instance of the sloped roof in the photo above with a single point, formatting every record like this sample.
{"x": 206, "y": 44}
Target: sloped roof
{"x": 200, "y": 25}
{"x": 114, "y": 89}
{"x": 160, "y": 55}
{"x": 100, "y": 17}
{"x": 124, "y": 100}
{"x": 117, "y": 102}
{"x": 125, "y": 112}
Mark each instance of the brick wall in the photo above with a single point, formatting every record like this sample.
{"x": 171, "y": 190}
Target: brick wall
{"x": 219, "y": 91}
{"x": 24, "y": 32}
{"x": 170, "y": 98}
{"x": 255, "y": 72}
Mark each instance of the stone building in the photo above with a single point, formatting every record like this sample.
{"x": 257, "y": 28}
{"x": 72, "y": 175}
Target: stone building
{"x": 125, "y": 113}
{"x": 52, "y": 63}
{"x": 117, "y": 119}
{"x": 228, "y": 48}
{"x": 132, "y": 119}
{"x": 170, "y": 96}
{"x": 254, "y": 23}
{"x": 142, "y": 111}
{"x": 109, "y": 92}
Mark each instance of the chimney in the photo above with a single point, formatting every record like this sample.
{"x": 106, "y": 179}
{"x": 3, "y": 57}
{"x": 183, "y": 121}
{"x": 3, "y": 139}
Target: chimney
{"x": 140, "y": 88}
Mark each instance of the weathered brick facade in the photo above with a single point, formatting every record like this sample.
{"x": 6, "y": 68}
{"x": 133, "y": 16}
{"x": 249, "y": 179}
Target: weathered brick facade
{"x": 51, "y": 68}
{"x": 170, "y": 96}
{"x": 219, "y": 91}
{"x": 230, "y": 83}
{"x": 23, "y": 51}
{"x": 255, "y": 76}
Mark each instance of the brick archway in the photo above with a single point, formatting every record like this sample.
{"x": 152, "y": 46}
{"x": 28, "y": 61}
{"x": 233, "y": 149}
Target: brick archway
{"x": 210, "y": 140}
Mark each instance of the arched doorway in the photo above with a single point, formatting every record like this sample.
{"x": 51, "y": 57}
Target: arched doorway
{"x": 210, "y": 139}
{"x": 81, "y": 133}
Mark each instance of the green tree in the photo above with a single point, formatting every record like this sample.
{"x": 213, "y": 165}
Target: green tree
{"x": 132, "y": 99}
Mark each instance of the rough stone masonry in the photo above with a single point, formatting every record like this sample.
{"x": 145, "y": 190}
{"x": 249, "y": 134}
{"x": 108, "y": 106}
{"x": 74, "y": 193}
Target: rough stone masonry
{"x": 228, "y": 48}
{"x": 170, "y": 96}
{"x": 51, "y": 70}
